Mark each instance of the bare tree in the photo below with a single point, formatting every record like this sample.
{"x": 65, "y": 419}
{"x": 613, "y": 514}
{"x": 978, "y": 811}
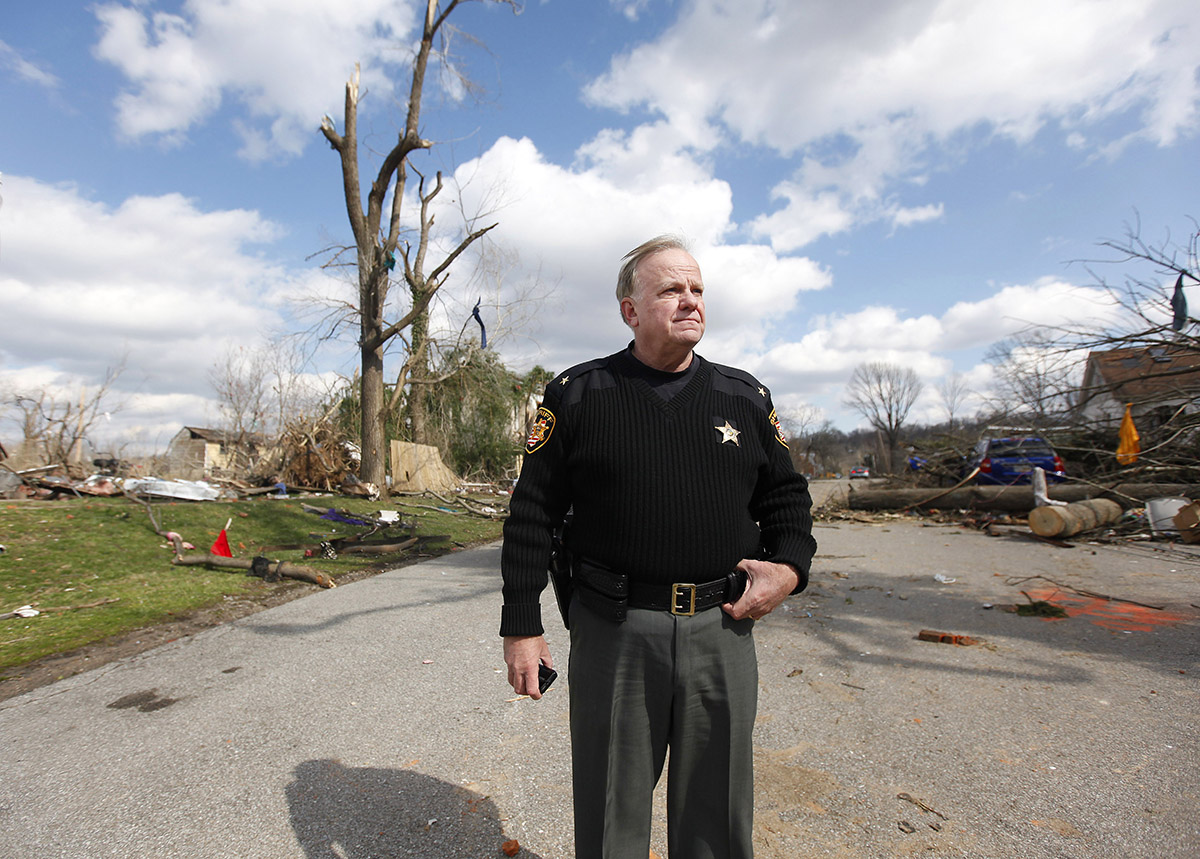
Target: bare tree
{"x": 242, "y": 385}
{"x": 883, "y": 393}
{"x": 953, "y": 392}
{"x": 1151, "y": 273}
{"x": 801, "y": 421}
{"x": 296, "y": 393}
{"x": 377, "y": 242}
{"x": 55, "y": 426}
{"x": 1037, "y": 377}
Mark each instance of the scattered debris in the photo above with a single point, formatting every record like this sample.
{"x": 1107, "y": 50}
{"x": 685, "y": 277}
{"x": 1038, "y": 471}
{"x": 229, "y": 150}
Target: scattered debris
{"x": 1041, "y": 493}
{"x": 1187, "y": 521}
{"x": 946, "y": 638}
{"x": 345, "y": 517}
{"x": 921, "y": 805}
{"x": 944, "y": 579}
{"x": 1161, "y": 513}
{"x": 30, "y": 611}
{"x": 186, "y": 490}
{"x": 23, "y": 611}
{"x": 906, "y": 827}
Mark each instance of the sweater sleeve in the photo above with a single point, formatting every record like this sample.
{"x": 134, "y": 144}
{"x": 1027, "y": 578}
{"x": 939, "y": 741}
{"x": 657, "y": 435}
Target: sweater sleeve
{"x": 782, "y": 505}
{"x": 539, "y": 503}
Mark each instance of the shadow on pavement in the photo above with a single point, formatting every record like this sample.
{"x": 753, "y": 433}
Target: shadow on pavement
{"x": 341, "y": 812}
{"x": 328, "y": 622}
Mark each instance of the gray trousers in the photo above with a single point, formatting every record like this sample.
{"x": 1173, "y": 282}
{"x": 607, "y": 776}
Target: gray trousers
{"x": 639, "y": 687}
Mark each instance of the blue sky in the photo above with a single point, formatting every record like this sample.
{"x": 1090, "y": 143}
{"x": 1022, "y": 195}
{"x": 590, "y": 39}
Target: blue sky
{"x": 899, "y": 180}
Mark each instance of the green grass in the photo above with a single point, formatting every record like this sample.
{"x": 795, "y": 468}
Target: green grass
{"x": 72, "y": 553}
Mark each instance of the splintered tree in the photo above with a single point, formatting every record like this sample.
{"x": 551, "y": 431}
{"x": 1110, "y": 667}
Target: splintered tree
{"x": 379, "y": 244}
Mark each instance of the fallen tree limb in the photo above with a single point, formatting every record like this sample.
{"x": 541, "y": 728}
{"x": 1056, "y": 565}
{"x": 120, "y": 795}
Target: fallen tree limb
{"x": 375, "y": 548}
{"x": 282, "y": 568}
{"x": 176, "y": 540}
{"x": 1013, "y": 498}
{"x": 466, "y": 504}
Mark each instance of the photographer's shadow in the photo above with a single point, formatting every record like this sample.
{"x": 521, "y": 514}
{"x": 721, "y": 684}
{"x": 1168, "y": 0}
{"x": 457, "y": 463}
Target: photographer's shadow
{"x": 341, "y": 812}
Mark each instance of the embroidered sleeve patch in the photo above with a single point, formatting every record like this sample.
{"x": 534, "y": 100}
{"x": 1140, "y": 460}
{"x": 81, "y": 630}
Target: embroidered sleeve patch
{"x": 779, "y": 436}
{"x": 543, "y": 425}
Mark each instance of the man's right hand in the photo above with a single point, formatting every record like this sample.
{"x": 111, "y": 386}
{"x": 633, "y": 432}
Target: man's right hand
{"x": 522, "y": 655}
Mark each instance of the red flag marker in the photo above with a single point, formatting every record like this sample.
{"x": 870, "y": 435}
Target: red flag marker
{"x": 221, "y": 546}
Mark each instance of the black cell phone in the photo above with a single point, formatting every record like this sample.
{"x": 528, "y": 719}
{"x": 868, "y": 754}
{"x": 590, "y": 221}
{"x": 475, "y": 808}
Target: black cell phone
{"x": 546, "y": 676}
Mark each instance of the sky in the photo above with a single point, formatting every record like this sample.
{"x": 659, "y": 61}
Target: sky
{"x": 907, "y": 181}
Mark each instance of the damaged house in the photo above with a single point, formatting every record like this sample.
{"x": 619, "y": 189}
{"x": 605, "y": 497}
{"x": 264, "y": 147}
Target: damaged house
{"x": 1159, "y": 383}
{"x": 196, "y": 453}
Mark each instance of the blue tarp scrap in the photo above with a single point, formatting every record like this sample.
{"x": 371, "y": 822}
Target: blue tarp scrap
{"x": 332, "y": 515}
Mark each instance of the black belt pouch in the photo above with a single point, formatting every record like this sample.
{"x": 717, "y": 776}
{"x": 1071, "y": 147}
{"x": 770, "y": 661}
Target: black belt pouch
{"x": 603, "y": 591}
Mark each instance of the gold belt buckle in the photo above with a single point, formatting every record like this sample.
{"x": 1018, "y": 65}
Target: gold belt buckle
{"x": 689, "y": 592}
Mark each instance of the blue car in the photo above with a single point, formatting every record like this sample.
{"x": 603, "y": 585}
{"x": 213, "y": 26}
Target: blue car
{"x": 1009, "y": 461}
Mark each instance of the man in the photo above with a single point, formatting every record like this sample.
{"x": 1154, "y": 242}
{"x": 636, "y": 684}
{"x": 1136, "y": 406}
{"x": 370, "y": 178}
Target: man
{"x": 683, "y": 499}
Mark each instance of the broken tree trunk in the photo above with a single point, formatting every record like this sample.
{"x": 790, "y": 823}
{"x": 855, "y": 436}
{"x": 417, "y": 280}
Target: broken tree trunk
{"x": 1074, "y": 518}
{"x": 1013, "y": 499}
{"x": 283, "y": 568}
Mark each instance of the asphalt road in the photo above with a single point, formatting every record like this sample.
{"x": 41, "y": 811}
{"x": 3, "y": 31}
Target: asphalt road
{"x": 373, "y": 720}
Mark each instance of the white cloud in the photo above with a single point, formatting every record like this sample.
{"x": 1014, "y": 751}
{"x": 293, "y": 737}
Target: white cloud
{"x": 26, "y": 70}
{"x": 1047, "y": 301}
{"x": 279, "y": 60}
{"x": 902, "y": 216}
{"x": 572, "y": 227}
{"x": 871, "y": 93}
{"x": 816, "y": 368}
{"x": 631, "y": 9}
{"x": 155, "y": 283}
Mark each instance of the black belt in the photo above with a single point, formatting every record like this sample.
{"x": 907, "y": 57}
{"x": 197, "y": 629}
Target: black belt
{"x": 682, "y": 598}
{"x": 679, "y": 598}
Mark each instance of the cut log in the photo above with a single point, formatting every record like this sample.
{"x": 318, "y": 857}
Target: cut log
{"x": 283, "y": 568}
{"x": 1010, "y": 498}
{"x": 1073, "y": 518}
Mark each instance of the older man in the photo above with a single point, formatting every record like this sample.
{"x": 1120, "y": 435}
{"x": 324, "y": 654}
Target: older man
{"x": 684, "y": 500}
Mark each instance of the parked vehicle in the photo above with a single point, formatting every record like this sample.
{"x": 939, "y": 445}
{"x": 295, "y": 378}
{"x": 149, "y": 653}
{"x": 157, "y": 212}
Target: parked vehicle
{"x": 1011, "y": 460}
{"x": 860, "y": 471}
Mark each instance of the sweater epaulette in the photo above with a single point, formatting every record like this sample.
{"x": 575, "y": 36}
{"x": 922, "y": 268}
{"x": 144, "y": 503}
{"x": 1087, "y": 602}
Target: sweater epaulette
{"x": 739, "y": 383}
{"x": 570, "y": 385}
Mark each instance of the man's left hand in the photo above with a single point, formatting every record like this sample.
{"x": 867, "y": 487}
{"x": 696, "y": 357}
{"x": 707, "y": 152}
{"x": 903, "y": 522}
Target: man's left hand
{"x": 767, "y": 585}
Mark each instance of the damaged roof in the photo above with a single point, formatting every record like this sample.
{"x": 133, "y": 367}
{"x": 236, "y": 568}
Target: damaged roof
{"x": 1143, "y": 374}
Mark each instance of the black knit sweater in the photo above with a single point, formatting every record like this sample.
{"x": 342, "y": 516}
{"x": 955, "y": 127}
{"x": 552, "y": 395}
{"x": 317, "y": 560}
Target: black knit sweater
{"x": 675, "y": 490}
